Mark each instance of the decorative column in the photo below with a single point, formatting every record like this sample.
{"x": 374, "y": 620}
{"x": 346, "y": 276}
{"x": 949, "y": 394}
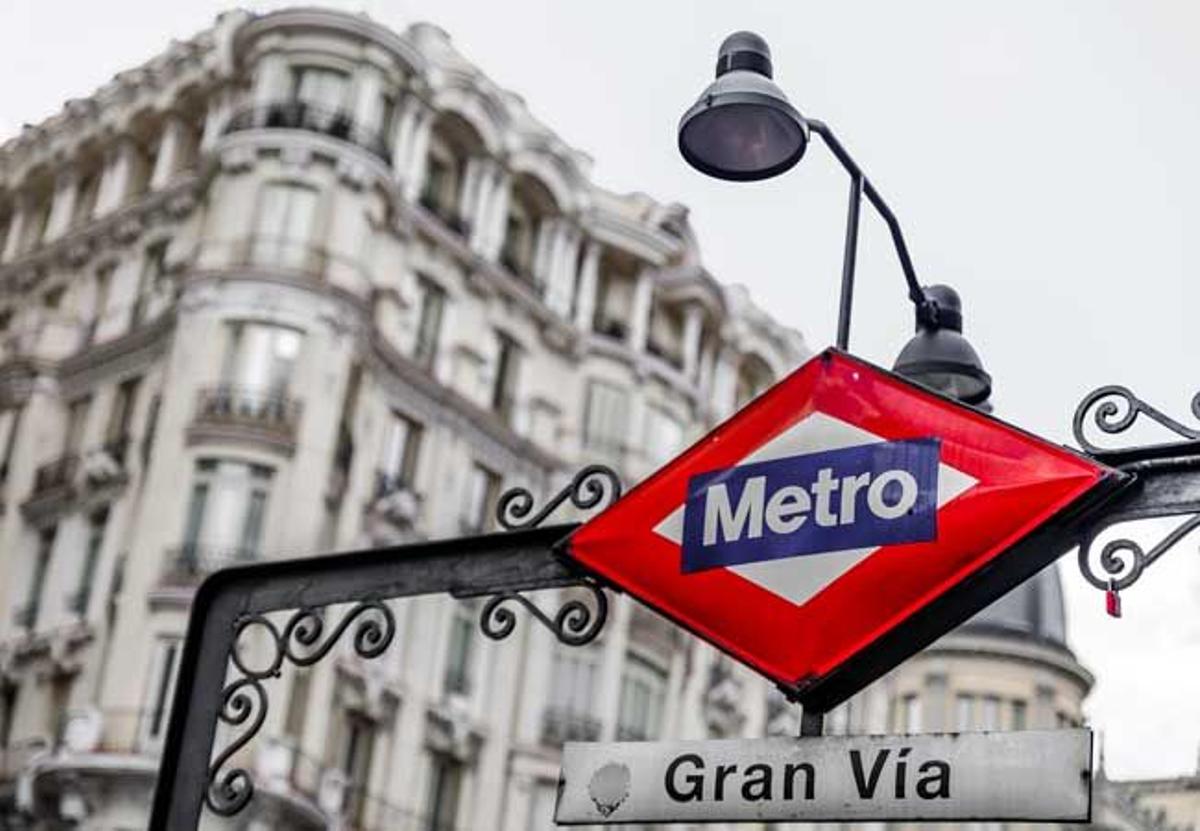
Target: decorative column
{"x": 724, "y": 388}
{"x": 542, "y": 249}
{"x": 171, "y": 147}
{"x": 566, "y": 269}
{"x": 479, "y": 213}
{"x": 693, "y": 325}
{"x": 367, "y": 108}
{"x": 639, "y": 315}
{"x": 497, "y": 223}
{"x": 418, "y": 151}
{"x": 62, "y": 206}
{"x": 215, "y": 119}
{"x": 585, "y": 298}
{"x": 119, "y": 170}
{"x": 270, "y": 80}
{"x": 17, "y": 228}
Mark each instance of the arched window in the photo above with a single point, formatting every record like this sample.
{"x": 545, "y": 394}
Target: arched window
{"x": 530, "y": 205}
{"x": 452, "y": 144}
{"x": 754, "y": 377}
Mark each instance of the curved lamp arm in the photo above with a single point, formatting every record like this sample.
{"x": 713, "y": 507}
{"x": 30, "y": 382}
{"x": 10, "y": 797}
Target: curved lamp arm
{"x": 860, "y": 185}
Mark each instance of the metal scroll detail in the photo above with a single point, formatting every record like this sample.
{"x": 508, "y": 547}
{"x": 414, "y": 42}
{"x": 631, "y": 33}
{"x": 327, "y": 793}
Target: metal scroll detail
{"x": 1122, "y": 561}
{"x": 591, "y": 486}
{"x": 1114, "y": 410}
{"x": 244, "y": 700}
{"x": 575, "y": 624}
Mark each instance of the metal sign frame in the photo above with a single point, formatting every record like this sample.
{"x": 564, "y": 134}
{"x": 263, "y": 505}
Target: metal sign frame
{"x": 1162, "y": 480}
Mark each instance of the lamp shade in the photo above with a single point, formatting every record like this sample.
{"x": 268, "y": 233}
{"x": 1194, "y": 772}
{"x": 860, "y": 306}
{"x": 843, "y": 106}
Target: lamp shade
{"x": 742, "y": 127}
{"x": 940, "y": 358}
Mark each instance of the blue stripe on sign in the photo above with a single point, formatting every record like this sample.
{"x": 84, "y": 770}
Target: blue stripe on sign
{"x": 855, "y": 497}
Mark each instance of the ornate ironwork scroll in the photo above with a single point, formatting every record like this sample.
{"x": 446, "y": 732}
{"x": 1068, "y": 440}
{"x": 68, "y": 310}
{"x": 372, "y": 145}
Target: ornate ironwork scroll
{"x": 244, "y": 700}
{"x": 591, "y": 486}
{"x": 1122, "y": 561}
{"x": 575, "y": 623}
{"x": 1114, "y": 410}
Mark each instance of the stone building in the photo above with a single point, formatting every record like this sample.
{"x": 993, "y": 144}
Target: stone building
{"x": 303, "y": 284}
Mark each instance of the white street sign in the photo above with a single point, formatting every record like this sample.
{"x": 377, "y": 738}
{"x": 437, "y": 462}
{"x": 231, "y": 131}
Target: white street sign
{"x": 1029, "y": 775}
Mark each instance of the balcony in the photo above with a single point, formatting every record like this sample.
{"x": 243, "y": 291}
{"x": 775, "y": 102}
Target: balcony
{"x": 448, "y": 215}
{"x": 300, "y": 115}
{"x": 56, "y": 477}
{"x": 190, "y": 563}
{"x": 560, "y": 726}
{"x": 259, "y": 415}
{"x": 106, "y": 464}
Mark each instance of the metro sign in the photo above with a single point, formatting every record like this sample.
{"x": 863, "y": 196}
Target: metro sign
{"x": 840, "y": 522}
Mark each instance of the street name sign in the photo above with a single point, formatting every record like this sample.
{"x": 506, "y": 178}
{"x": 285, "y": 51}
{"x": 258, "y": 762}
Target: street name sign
{"x": 1036, "y": 775}
{"x": 840, "y": 522}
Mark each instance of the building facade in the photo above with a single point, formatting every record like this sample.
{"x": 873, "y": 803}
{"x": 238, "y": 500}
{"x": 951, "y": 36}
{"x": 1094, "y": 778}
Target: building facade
{"x": 304, "y": 284}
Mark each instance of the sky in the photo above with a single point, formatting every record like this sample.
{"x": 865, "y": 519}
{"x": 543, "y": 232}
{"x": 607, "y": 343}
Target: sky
{"x": 1040, "y": 154}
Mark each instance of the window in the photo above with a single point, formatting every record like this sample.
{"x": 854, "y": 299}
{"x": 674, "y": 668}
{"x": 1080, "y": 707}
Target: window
{"x": 990, "y": 713}
{"x": 120, "y": 419}
{"x": 85, "y": 199}
{"x": 445, "y": 784}
{"x": 664, "y": 436}
{"x": 102, "y": 287}
{"x": 77, "y": 412}
{"x": 754, "y": 377}
{"x": 459, "y": 652}
{"x": 504, "y": 386}
{"x": 643, "y": 690}
{"x": 569, "y": 715}
{"x": 283, "y": 226}
{"x": 52, "y": 299}
{"x": 429, "y": 324}
{"x": 399, "y": 455}
{"x": 320, "y": 87}
{"x": 261, "y": 358}
{"x": 442, "y": 175}
{"x": 910, "y": 715}
{"x": 297, "y": 707}
{"x": 964, "y": 712}
{"x": 37, "y": 581}
{"x": 358, "y": 746}
{"x": 606, "y": 418}
{"x": 517, "y": 252}
{"x": 226, "y": 513}
{"x": 10, "y": 422}
{"x": 8, "y": 700}
{"x": 161, "y": 690}
{"x": 154, "y": 269}
{"x": 483, "y": 488}
{"x": 91, "y": 558}
{"x": 1019, "y": 718}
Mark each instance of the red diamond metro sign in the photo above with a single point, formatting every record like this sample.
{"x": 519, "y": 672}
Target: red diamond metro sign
{"x": 840, "y": 522}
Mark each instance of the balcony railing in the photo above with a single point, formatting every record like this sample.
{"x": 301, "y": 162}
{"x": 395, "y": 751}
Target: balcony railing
{"x": 190, "y": 563}
{"x": 447, "y": 215}
{"x": 56, "y": 475}
{"x": 259, "y": 408}
{"x": 25, "y": 617}
{"x": 300, "y": 115}
{"x": 560, "y": 726}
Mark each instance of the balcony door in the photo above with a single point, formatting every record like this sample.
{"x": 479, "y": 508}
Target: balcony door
{"x": 226, "y": 514}
{"x": 261, "y": 359}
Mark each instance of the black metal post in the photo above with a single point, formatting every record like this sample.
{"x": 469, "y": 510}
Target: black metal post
{"x": 915, "y": 293}
{"x": 812, "y": 723}
{"x": 236, "y": 599}
{"x": 849, "y": 256}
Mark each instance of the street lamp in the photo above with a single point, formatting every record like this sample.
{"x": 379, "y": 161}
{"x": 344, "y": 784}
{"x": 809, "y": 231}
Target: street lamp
{"x": 743, "y": 128}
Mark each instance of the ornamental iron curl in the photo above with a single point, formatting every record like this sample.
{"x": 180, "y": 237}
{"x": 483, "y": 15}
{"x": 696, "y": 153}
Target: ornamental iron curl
{"x": 1116, "y": 409}
{"x": 1123, "y": 561}
{"x": 590, "y": 487}
{"x": 245, "y": 699}
{"x": 575, "y": 623}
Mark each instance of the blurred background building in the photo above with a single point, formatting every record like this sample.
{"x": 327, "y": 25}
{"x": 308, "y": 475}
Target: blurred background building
{"x": 303, "y": 284}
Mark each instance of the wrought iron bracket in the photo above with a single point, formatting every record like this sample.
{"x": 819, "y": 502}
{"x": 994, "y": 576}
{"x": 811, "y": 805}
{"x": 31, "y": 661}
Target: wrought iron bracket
{"x": 219, "y": 684}
{"x": 1166, "y": 483}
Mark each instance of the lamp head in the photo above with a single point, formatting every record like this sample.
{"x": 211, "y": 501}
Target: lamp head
{"x": 743, "y": 128}
{"x": 938, "y": 356}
